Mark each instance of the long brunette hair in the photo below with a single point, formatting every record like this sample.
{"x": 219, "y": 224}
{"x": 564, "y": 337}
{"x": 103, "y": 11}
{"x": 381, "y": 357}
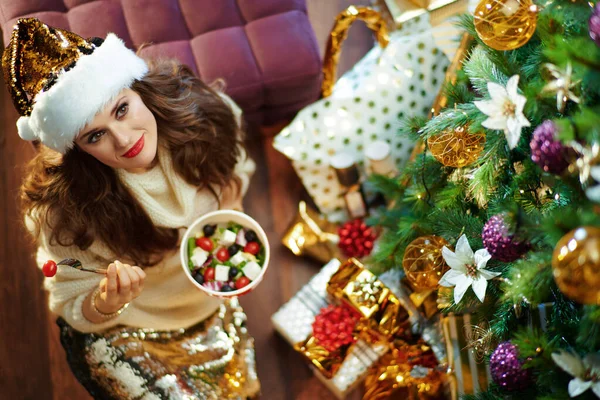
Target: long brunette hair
{"x": 81, "y": 200}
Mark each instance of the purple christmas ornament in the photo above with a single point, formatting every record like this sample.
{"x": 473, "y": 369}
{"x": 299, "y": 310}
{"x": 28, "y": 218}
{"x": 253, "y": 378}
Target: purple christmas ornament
{"x": 546, "y": 151}
{"x": 499, "y": 243}
{"x": 506, "y": 368}
{"x": 594, "y": 24}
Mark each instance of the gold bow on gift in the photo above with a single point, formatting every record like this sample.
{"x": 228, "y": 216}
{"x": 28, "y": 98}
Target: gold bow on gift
{"x": 426, "y": 301}
{"x": 382, "y": 313}
{"x": 408, "y": 372}
{"x": 382, "y": 316}
{"x": 310, "y": 234}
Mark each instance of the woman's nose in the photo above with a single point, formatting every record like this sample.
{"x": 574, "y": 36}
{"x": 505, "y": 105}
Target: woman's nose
{"x": 123, "y": 137}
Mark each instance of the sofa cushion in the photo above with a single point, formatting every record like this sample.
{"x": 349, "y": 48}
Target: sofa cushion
{"x": 264, "y": 50}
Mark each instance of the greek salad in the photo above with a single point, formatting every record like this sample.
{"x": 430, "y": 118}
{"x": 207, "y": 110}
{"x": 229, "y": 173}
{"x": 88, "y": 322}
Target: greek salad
{"x": 225, "y": 257}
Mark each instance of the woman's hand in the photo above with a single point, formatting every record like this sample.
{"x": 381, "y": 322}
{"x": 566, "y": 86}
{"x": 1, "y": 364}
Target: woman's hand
{"x": 231, "y": 198}
{"x": 122, "y": 284}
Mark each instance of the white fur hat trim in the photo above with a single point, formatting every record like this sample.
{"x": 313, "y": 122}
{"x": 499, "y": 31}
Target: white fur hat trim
{"x": 80, "y": 93}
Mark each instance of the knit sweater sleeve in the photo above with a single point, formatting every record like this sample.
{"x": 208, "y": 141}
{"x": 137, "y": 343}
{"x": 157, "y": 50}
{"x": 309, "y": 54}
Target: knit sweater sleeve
{"x": 245, "y": 166}
{"x": 69, "y": 287}
{"x": 244, "y": 169}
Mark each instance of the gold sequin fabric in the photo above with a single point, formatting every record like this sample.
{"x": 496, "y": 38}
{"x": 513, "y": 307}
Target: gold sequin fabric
{"x": 213, "y": 360}
{"x": 36, "y": 56}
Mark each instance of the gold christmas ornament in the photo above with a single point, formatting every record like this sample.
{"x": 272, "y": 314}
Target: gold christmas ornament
{"x": 456, "y": 148}
{"x": 505, "y": 24}
{"x": 576, "y": 265}
{"x": 423, "y": 263}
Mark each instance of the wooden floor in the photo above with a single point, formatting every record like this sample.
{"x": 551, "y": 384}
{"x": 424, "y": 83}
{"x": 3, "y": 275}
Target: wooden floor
{"x": 32, "y": 362}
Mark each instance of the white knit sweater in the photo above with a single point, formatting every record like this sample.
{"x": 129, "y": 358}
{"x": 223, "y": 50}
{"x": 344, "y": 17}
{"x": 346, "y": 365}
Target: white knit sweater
{"x": 168, "y": 301}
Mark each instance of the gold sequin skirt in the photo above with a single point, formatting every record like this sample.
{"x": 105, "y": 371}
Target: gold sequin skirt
{"x": 211, "y": 360}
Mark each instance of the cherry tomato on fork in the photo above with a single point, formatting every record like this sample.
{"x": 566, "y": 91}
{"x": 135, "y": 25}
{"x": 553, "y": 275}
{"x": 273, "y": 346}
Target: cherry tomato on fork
{"x": 49, "y": 268}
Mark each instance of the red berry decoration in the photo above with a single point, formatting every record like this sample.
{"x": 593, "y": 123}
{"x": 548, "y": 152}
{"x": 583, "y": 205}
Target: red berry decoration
{"x": 222, "y": 254}
{"x": 209, "y": 274}
{"x": 242, "y": 281}
{"x": 356, "y": 238}
{"x": 204, "y": 243}
{"x": 333, "y": 327}
{"x": 49, "y": 269}
{"x": 252, "y": 248}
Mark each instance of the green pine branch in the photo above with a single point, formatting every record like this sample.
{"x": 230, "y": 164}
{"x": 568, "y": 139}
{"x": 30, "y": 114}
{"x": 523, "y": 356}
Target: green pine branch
{"x": 542, "y": 207}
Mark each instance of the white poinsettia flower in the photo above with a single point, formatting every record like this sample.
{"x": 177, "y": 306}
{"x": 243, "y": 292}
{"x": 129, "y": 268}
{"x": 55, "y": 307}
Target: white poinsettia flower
{"x": 466, "y": 269}
{"x": 505, "y": 110}
{"x": 593, "y": 193}
{"x": 586, "y": 372}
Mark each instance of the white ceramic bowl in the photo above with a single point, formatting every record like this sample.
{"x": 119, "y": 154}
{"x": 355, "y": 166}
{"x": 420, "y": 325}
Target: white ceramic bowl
{"x": 224, "y": 216}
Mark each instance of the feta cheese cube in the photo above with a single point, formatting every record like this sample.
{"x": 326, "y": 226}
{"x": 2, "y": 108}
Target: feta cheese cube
{"x": 199, "y": 250}
{"x": 222, "y": 273}
{"x": 237, "y": 258}
{"x": 199, "y": 257}
{"x": 227, "y": 238}
{"x": 252, "y": 270}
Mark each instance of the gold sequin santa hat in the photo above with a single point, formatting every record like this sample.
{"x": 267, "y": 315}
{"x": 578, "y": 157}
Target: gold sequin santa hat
{"x": 59, "y": 81}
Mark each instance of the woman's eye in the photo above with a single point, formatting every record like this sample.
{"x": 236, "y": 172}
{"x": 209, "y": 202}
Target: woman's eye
{"x": 122, "y": 110}
{"x": 94, "y": 137}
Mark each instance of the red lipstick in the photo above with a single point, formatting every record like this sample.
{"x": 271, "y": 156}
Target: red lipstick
{"x": 135, "y": 149}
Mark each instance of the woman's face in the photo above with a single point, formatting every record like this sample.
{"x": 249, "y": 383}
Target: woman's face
{"x": 122, "y": 135}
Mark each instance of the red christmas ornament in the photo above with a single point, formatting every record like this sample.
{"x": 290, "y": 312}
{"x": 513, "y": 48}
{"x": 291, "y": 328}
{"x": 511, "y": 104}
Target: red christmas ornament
{"x": 333, "y": 327}
{"x": 356, "y": 238}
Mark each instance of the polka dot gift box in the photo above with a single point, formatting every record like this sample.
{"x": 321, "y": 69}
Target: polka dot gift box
{"x": 365, "y": 105}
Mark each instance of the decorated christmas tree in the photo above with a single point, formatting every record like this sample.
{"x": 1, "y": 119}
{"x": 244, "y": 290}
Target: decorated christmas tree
{"x": 498, "y": 215}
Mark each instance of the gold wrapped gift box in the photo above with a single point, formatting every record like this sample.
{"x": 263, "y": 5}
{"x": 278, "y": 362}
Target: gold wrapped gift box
{"x": 383, "y": 317}
{"x": 294, "y": 320}
{"x": 408, "y": 372}
{"x": 384, "y": 328}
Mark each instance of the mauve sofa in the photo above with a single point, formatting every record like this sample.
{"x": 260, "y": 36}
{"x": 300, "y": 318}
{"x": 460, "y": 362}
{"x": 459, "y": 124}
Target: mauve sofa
{"x": 265, "y": 50}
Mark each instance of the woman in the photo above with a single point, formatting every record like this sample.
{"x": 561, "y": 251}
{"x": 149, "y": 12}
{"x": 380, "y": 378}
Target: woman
{"x": 133, "y": 153}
